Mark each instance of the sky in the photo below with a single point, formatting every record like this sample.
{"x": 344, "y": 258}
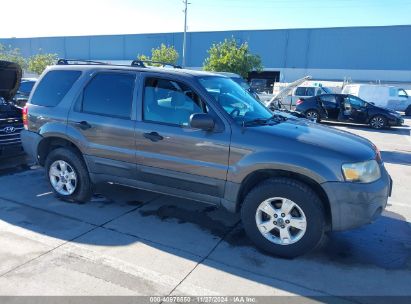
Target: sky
{"x": 43, "y": 18}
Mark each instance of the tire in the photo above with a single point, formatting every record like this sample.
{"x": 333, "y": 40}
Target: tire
{"x": 313, "y": 115}
{"x": 408, "y": 111}
{"x": 306, "y": 200}
{"x": 378, "y": 122}
{"x": 75, "y": 187}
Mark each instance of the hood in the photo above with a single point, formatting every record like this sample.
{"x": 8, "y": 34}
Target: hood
{"x": 370, "y": 105}
{"x": 10, "y": 76}
{"x": 350, "y": 147}
{"x": 284, "y": 92}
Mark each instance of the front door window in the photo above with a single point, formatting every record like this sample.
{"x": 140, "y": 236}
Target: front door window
{"x": 170, "y": 102}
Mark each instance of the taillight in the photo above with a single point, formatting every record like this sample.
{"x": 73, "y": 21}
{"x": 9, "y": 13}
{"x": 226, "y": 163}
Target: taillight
{"x": 299, "y": 101}
{"x": 25, "y": 120}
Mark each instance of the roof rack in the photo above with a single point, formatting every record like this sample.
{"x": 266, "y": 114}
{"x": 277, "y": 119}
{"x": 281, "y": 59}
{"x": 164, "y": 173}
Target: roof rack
{"x": 141, "y": 64}
{"x": 134, "y": 63}
{"x": 78, "y": 61}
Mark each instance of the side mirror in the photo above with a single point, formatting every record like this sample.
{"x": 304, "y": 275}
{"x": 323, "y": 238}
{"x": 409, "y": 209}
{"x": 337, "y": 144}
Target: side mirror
{"x": 202, "y": 121}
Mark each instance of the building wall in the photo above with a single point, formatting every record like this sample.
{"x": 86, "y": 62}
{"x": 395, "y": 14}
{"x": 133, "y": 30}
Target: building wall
{"x": 377, "y": 53}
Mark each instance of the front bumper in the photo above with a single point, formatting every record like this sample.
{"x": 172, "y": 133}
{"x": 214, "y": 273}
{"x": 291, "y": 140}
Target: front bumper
{"x": 396, "y": 121}
{"x": 354, "y": 204}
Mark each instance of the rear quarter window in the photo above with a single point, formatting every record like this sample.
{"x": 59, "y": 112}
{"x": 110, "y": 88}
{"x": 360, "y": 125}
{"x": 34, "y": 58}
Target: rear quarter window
{"x": 53, "y": 87}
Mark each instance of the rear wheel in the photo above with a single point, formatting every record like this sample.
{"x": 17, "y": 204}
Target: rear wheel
{"x": 313, "y": 115}
{"x": 68, "y": 175}
{"x": 284, "y": 217}
{"x": 378, "y": 122}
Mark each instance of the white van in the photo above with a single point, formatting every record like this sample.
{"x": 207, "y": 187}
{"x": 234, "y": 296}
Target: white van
{"x": 385, "y": 96}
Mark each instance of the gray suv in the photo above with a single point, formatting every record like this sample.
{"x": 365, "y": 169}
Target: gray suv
{"x": 200, "y": 136}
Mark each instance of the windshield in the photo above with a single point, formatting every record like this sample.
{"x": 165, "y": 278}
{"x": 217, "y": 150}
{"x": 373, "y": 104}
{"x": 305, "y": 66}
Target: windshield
{"x": 244, "y": 84}
{"x": 237, "y": 102}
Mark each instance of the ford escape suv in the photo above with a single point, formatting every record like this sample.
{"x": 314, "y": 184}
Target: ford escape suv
{"x": 200, "y": 136}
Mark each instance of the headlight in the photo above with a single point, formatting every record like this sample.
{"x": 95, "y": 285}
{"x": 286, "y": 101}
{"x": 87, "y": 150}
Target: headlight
{"x": 364, "y": 172}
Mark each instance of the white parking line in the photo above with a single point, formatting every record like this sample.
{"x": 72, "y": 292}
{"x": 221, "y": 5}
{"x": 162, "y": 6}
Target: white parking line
{"x": 44, "y": 194}
{"x": 394, "y": 203}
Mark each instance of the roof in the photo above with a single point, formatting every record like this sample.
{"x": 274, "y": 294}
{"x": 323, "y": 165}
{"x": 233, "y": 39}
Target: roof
{"x": 228, "y": 74}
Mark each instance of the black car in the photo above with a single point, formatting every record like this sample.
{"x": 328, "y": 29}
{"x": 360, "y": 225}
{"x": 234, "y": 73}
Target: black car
{"x": 347, "y": 108}
{"x": 11, "y": 120}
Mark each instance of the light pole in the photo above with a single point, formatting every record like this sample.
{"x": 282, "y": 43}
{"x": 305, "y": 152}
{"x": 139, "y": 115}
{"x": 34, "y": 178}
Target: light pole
{"x": 185, "y": 32}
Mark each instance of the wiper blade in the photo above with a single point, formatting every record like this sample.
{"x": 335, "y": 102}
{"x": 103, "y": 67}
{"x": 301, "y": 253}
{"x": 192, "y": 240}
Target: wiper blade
{"x": 257, "y": 121}
{"x": 262, "y": 121}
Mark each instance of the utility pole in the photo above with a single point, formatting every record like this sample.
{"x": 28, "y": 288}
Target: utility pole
{"x": 185, "y": 32}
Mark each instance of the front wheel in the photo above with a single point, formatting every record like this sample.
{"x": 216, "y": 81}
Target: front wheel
{"x": 68, "y": 175}
{"x": 313, "y": 115}
{"x": 408, "y": 111}
{"x": 378, "y": 122}
{"x": 283, "y": 217}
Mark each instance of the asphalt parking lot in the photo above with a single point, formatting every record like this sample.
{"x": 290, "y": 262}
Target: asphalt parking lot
{"x": 129, "y": 242}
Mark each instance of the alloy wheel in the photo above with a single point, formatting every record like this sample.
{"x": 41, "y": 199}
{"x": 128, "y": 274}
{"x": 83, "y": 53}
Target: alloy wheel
{"x": 63, "y": 178}
{"x": 281, "y": 221}
{"x": 311, "y": 115}
{"x": 377, "y": 122}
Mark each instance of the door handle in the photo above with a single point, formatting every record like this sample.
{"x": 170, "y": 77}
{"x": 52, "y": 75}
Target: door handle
{"x": 84, "y": 125}
{"x": 153, "y": 136}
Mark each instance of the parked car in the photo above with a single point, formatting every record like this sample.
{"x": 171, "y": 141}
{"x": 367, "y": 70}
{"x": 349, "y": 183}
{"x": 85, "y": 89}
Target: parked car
{"x": 288, "y": 96}
{"x": 200, "y": 136}
{"x": 260, "y": 85}
{"x": 11, "y": 122}
{"x": 385, "y": 96}
{"x": 23, "y": 93}
{"x": 348, "y": 108}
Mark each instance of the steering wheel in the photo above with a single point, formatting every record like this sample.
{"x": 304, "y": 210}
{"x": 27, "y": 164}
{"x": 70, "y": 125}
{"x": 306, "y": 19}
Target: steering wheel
{"x": 235, "y": 111}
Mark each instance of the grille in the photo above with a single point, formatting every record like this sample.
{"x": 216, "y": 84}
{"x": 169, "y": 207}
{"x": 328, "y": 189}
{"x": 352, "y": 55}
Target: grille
{"x": 10, "y": 129}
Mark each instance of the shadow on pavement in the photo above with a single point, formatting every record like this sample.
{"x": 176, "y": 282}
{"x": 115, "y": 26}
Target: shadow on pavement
{"x": 396, "y": 157}
{"x": 13, "y": 164}
{"x": 192, "y": 230}
{"x": 403, "y": 130}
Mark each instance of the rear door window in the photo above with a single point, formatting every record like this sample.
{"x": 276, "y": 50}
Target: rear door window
{"x": 53, "y": 87}
{"x": 109, "y": 94}
{"x": 329, "y": 100}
